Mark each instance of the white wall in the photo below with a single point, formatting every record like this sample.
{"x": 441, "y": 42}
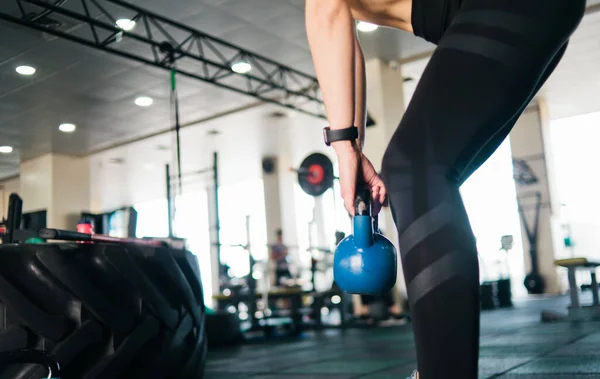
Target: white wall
{"x": 70, "y": 189}
{"x": 58, "y": 184}
{"x": 243, "y": 140}
{"x": 7, "y": 187}
{"x": 36, "y": 179}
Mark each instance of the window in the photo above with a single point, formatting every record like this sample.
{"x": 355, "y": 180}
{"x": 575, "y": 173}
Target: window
{"x": 490, "y": 198}
{"x": 236, "y": 201}
{"x": 190, "y": 222}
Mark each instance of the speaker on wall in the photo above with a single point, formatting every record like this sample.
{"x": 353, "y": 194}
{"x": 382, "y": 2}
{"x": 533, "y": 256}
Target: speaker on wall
{"x": 269, "y": 165}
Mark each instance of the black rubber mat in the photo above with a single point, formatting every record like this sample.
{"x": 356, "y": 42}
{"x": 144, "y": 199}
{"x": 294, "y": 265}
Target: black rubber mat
{"x": 514, "y": 345}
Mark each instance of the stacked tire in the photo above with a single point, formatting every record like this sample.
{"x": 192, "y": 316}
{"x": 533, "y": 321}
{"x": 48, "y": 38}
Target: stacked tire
{"x": 104, "y": 311}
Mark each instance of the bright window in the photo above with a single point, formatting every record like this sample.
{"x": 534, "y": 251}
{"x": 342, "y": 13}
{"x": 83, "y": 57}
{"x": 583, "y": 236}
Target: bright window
{"x": 236, "y": 201}
{"x": 190, "y": 222}
{"x": 489, "y": 196}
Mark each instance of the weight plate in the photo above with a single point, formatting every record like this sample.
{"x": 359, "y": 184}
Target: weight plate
{"x": 315, "y": 175}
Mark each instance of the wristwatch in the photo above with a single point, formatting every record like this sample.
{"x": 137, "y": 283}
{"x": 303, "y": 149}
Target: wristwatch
{"x": 333, "y": 135}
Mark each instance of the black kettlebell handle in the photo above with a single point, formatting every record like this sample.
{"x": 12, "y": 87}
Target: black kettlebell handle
{"x": 363, "y": 205}
{"x": 362, "y": 201}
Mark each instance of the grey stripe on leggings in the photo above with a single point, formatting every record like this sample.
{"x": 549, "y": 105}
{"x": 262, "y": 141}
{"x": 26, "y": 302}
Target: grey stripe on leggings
{"x": 526, "y": 27}
{"x": 485, "y": 47}
{"x": 451, "y": 265}
{"x": 425, "y": 226}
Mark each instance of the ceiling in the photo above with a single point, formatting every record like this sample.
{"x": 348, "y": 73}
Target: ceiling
{"x": 95, "y": 90}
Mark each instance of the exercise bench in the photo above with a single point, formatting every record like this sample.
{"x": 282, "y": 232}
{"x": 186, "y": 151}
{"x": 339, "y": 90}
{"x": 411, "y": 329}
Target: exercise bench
{"x": 577, "y": 312}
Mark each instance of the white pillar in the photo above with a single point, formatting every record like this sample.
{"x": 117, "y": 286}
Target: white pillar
{"x": 530, "y": 142}
{"x": 8, "y": 186}
{"x": 270, "y": 176}
{"x": 214, "y": 257}
{"x": 286, "y": 181}
{"x": 59, "y": 184}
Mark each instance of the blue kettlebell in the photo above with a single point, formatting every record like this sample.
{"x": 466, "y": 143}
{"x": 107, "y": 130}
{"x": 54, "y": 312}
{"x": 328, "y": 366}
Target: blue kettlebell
{"x": 365, "y": 262}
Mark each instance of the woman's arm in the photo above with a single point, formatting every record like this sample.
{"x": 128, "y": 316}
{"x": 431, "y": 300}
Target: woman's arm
{"x": 360, "y": 111}
{"x": 330, "y": 31}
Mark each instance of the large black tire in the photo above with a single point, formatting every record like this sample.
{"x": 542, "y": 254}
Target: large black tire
{"x": 104, "y": 311}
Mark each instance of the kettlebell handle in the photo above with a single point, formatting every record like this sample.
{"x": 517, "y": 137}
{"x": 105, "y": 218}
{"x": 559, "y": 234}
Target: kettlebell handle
{"x": 363, "y": 205}
{"x": 362, "y": 201}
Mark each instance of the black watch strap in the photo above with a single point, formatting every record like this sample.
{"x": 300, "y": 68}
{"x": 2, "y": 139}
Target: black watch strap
{"x": 333, "y": 135}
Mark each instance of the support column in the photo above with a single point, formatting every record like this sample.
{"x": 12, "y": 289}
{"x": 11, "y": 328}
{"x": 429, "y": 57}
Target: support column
{"x": 530, "y": 145}
{"x": 270, "y": 176}
{"x": 58, "y": 183}
{"x": 7, "y": 186}
{"x": 216, "y": 268}
{"x": 273, "y": 210}
{"x": 385, "y": 102}
{"x": 286, "y": 193}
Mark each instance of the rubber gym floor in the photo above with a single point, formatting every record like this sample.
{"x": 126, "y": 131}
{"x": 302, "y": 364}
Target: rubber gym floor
{"x": 514, "y": 345}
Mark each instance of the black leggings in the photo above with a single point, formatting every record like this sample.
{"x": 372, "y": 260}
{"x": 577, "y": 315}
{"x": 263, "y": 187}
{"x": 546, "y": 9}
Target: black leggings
{"x": 490, "y": 61}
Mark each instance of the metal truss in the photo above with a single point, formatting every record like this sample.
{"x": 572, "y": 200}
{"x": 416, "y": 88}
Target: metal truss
{"x": 158, "y": 41}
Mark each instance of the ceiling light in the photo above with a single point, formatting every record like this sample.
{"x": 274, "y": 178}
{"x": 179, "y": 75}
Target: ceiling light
{"x": 241, "y": 67}
{"x": 6, "y": 149}
{"x": 366, "y": 27}
{"x": 144, "y": 101}
{"x": 67, "y": 128}
{"x": 126, "y": 24}
{"x": 25, "y": 70}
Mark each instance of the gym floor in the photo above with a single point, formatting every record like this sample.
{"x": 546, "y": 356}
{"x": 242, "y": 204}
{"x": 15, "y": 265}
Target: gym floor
{"x": 514, "y": 345}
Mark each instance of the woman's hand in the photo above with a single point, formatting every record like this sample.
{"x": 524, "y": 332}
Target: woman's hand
{"x": 356, "y": 168}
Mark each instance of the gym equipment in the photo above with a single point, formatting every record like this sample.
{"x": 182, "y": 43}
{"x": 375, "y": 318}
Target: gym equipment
{"x": 158, "y": 36}
{"x": 365, "y": 262}
{"x": 13, "y": 233}
{"x": 577, "y": 312}
{"x": 315, "y": 174}
{"x": 67, "y": 235}
{"x": 189, "y": 178}
{"x": 26, "y": 356}
{"x": 223, "y": 329}
{"x": 139, "y": 310}
{"x": 522, "y": 173}
{"x": 504, "y": 293}
{"x": 488, "y": 295}
{"x": 534, "y": 282}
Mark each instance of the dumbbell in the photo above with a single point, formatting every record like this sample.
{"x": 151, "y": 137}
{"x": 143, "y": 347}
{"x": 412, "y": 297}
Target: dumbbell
{"x": 365, "y": 262}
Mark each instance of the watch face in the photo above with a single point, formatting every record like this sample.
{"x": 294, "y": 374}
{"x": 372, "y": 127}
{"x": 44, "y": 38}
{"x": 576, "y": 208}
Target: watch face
{"x": 325, "y": 136}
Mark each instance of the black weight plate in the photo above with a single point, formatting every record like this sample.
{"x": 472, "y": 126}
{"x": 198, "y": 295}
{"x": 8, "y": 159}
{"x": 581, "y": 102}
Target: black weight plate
{"x": 310, "y": 186}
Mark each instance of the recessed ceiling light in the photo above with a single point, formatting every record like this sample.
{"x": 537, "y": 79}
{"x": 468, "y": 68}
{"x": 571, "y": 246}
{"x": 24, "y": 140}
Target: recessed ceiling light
{"x": 67, "y": 128}
{"x": 366, "y": 27}
{"x": 25, "y": 70}
{"x": 126, "y": 24}
{"x": 6, "y": 149}
{"x": 144, "y": 101}
{"x": 241, "y": 67}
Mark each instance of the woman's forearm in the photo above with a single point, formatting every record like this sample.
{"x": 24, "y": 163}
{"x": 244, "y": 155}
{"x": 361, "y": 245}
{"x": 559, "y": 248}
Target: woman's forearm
{"x": 330, "y": 31}
{"x": 360, "y": 111}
